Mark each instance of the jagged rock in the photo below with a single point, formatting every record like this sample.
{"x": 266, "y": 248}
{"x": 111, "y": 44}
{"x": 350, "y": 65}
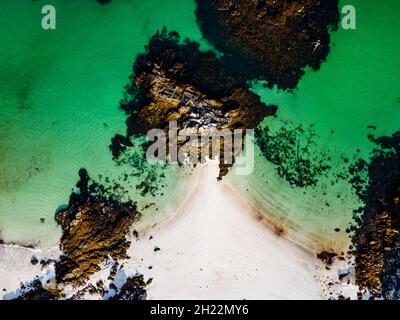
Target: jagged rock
{"x": 133, "y": 289}
{"x": 176, "y": 81}
{"x": 94, "y": 229}
{"x": 46, "y": 262}
{"x": 391, "y": 276}
{"x": 35, "y": 291}
{"x": 119, "y": 143}
{"x": 271, "y": 40}
{"x": 377, "y": 233}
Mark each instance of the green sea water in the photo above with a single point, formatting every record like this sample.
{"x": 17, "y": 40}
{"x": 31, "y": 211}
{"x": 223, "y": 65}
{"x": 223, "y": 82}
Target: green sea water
{"x": 59, "y": 102}
{"x": 60, "y": 91}
{"x": 358, "y": 86}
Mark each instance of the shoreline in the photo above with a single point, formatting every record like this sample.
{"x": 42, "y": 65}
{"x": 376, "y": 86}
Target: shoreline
{"x": 301, "y": 218}
{"x": 18, "y": 268}
{"x": 216, "y": 247}
{"x": 267, "y": 219}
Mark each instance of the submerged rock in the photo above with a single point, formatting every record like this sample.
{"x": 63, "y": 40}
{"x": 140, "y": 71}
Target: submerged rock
{"x": 94, "y": 229}
{"x": 271, "y": 40}
{"x": 119, "y": 143}
{"x": 103, "y": 1}
{"x": 292, "y": 151}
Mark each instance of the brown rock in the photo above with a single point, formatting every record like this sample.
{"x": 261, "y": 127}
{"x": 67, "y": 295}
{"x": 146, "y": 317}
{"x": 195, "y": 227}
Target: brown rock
{"x": 94, "y": 229}
{"x": 178, "y": 82}
{"x": 271, "y": 40}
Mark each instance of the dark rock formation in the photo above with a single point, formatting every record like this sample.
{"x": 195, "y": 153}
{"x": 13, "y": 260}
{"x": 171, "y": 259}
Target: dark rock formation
{"x": 327, "y": 257}
{"x": 34, "y": 260}
{"x": 119, "y": 143}
{"x": 46, "y": 262}
{"x": 133, "y": 289}
{"x": 271, "y": 40}
{"x": 103, "y": 1}
{"x": 176, "y": 81}
{"x": 391, "y": 275}
{"x": 377, "y": 235}
{"x": 94, "y": 229}
{"x": 35, "y": 291}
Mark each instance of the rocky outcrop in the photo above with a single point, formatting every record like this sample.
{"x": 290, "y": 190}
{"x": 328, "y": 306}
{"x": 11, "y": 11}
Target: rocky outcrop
{"x": 36, "y": 291}
{"x": 271, "y": 40}
{"x": 94, "y": 229}
{"x": 391, "y": 275}
{"x": 133, "y": 289}
{"x": 377, "y": 234}
{"x": 176, "y": 81}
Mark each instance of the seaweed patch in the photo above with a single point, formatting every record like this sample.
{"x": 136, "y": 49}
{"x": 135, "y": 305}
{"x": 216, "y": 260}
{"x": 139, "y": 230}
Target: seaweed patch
{"x": 292, "y": 151}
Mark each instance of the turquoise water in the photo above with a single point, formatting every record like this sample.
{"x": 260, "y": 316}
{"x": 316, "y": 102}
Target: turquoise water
{"x": 356, "y": 87}
{"x": 59, "y": 87}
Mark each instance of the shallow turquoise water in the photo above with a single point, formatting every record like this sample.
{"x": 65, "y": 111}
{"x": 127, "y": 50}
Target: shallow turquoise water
{"x": 356, "y": 87}
{"x": 58, "y": 88}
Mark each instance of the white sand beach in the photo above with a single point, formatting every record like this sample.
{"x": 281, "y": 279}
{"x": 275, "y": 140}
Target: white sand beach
{"x": 16, "y": 267}
{"x": 216, "y": 247}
